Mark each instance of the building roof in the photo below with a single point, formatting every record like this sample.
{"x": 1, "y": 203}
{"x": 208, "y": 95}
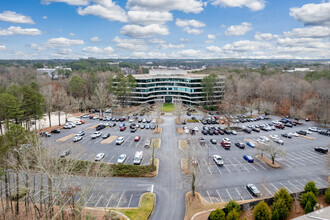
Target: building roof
{"x": 187, "y": 75}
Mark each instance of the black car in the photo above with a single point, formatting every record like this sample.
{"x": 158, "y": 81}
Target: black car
{"x": 140, "y": 120}
{"x": 246, "y": 130}
{"x": 213, "y": 141}
{"x": 56, "y": 131}
{"x": 255, "y": 129}
{"x": 184, "y": 122}
{"x": 286, "y": 135}
{"x": 240, "y": 145}
{"x": 227, "y": 131}
{"x": 65, "y": 153}
{"x": 106, "y": 136}
{"x": 210, "y": 132}
{"x": 133, "y": 130}
{"x": 302, "y": 132}
{"x": 188, "y": 113}
{"x": 321, "y": 150}
{"x": 100, "y": 127}
{"x": 204, "y": 132}
{"x": 288, "y": 125}
{"x": 132, "y": 125}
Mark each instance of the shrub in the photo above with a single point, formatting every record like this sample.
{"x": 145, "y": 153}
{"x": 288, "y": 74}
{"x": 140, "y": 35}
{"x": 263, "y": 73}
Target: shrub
{"x": 217, "y": 214}
{"x": 232, "y": 205}
{"x": 308, "y": 207}
{"x": 233, "y": 215}
{"x": 285, "y": 196}
{"x": 311, "y": 187}
{"x": 275, "y": 215}
{"x": 281, "y": 207}
{"x": 21, "y": 193}
{"x": 308, "y": 197}
{"x": 327, "y": 196}
{"x": 261, "y": 211}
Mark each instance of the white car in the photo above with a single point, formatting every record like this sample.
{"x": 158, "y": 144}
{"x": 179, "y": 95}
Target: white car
{"x": 315, "y": 129}
{"x": 131, "y": 120}
{"x": 295, "y": 134}
{"x": 233, "y": 132}
{"x": 120, "y": 140}
{"x": 144, "y": 120}
{"x": 195, "y": 129}
{"x": 78, "y": 122}
{"x": 275, "y": 136}
{"x": 77, "y": 138}
{"x": 96, "y": 134}
{"x": 122, "y": 158}
{"x": 186, "y": 131}
{"x": 99, "y": 156}
{"x": 153, "y": 121}
{"x": 261, "y": 141}
{"x": 72, "y": 124}
{"x": 67, "y": 126}
{"x": 218, "y": 160}
{"x": 264, "y": 138}
{"x": 308, "y": 132}
{"x": 96, "y": 117}
{"x": 226, "y": 140}
{"x": 276, "y": 122}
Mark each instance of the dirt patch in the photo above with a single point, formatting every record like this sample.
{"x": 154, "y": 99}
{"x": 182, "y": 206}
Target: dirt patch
{"x": 109, "y": 140}
{"x": 49, "y": 129}
{"x": 159, "y": 120}
{"x": 178, "y": 122}
{"x": 65, "y": 138}
{"x": 268, "y": 162}
{"x": 179, "y": 131}
{"x": 156, "y": 142}
{"x": 184, "y": 166}
{"x": 79, "y": 114}
{"x": 91, "y": 127}
{"x": 183, "y": 145}
{"x": 158, "y": 130}
{"x": 307, "y": 137}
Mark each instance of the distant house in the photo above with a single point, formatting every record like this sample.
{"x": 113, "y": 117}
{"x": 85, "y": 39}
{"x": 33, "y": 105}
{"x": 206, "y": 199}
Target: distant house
{"x": 51, "y": 72}
{"x": 298, "y": 70}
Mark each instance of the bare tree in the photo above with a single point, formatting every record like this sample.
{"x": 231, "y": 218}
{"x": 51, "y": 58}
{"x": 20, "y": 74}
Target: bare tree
{"x": 274, "y": 150}
{"x": 101, "y": 97}
{"x": 47, "y": 91}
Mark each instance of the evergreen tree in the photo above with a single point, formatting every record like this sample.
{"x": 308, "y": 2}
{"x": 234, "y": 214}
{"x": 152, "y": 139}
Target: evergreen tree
{"x": 261, "y": 211}
{"x": 217, "y": 214}
{"x": 311, "y": 187}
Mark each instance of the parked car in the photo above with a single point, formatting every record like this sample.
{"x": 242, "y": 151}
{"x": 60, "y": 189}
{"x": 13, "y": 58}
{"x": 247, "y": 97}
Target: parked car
{"x": 287, "y": 135}
{"x": 122, "y": 158}
{"x": 321, "y": 150}
{"x": 80, "y": 133}
{"x": 213, "y": 141}
{"x": 279, "y": 141}
{"x": 106, "y": 136}
{"x": 250, "y": 144}
{"x": 133, "y": 130}
{"x": 122, "y": 128}
{"x": 233, "y": 132}
{"x": 255, "y": 129}
{"x": 248, "y": 158}
{"x": 184, "y": 122}
{"x": 253, "y": 190}
{"x": 137, "y": 138}
{"x": 218, "y": 160}
{"x": 204, "y": 132}
{"x": 315, "y": 129}
{"x": 99, "y": 156}
{"x": 44, "y": 134}
{"x": 240, "y": 145}
{"x": 77, "y": 138}
{"x": 65, "y": 153}
{"x": 96, "y": 134}
{"x": 56, "y": 131}
{"x": 246, "y": 130}
{"x": 138, "y": 158}
{"x": 147, "y": 126}
{"x": 120, "y": 140}
{"x": 100, "y": 127}
{"x": 264, "y": 138}
{"x": 225, "y": 143}
{"x": 302, "y": 132}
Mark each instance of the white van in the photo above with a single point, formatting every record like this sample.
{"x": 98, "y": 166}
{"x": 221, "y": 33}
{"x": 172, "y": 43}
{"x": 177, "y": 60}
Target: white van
{"x": 138, "y": 157}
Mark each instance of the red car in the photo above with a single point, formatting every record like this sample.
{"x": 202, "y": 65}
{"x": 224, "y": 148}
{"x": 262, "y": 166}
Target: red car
{"x": 122, "y": 128}
{"x": 297, "y": 122}
{"x": 137, "y": 138}
{"x": 280, "y": 126}
{"x": 82, "y": 122}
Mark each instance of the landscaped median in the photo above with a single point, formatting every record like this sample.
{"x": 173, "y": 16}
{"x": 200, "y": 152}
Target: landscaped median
{"x": 145, "y": 209}
{"x": 268, "y": 161}
{"x": 109, "y": 140}
{"x": 156, "y": 142}
{"x": 65, "y": 138}
{"x": 183, "y": 145}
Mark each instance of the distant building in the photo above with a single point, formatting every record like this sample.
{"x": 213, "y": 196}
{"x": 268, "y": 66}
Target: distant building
{"x": 167, "y": 85}
{"x": 127, "y": 70}
{"x": 298, "y": 70}
{"x": 52, "y": 73}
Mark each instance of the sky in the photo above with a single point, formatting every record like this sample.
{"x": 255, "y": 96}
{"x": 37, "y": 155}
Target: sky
{"x": 169, "y": 29}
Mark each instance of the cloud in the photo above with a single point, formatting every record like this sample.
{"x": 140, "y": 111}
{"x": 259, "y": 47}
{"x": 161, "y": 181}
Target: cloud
{"x": 2, "y": 47}
{"x": 214, "y": 49}
{"x": 106, "y": 50}
{"x": 193, "y": 30}
{"x": 65, "y": 52}
{"x": 130, "y": 44}
{"x": 313, "y": 14}
{"x": 13, "y": 30}
{"x": 184, "y": 40}
{"x": 105, "y": 9}
{"x": 238, "y": 30}
{"x": 37, "y": 47}
{"x": 11, "y": 16}
{"x": 265, "y": 36}
{"x": 69, "y": 2}
{"x": 313, "y": 32}
{"x": 44, "y": 17}
{"x": 254, "y": 5}
{"x": 62, "y": 42}
{"x": 211, "y": 36}
{"x": 303, "y": 42}
{"x": 168, "y": 46}
{"x": 149, "y": 17}
{"x": 187, "y": 53}
{"x": 191, "y": 23}
{"x": 247, "y": 45}
{"x": 138, "y": 31}
{"x": 95, "y": 39}
{"x": 187, "y": 6}
{"x": 157, "y": 41}
{"x": 71, "y": 34}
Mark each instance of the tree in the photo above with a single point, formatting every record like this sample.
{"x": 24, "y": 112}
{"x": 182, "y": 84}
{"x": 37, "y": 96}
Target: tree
{"x": 261, "y": 211}
{"x": 308, "y": 197}
{"x": 281, "y": 207}
{"x": 327, "y": 196}
{"x": 232, "y": 205}
{"x": 10, "y": 108}
{"x": 308, "y": 207}
{"x": 217, "y": 214}
{"x": 76, "y": 86}
{"x": 101, "y": 98}
{"x": 275, "y": 215}
{"x": 178, "y": 110}
{"x": 233, "y": 215}
{"x": 274, "y": 150}
{"x": 48, "y": 93}
{"x": 209, "y": 83}
{"x": 311, "y": 187}
{"x": 285, "y": 196}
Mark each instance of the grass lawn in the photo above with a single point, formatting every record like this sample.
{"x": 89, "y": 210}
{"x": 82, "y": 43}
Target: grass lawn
{"x": 145, "y": 209}
{"x": 168, "y": 107}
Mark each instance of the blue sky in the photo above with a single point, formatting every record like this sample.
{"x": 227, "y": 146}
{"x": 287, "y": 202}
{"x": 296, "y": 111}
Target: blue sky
{"x": 71, "y": 29}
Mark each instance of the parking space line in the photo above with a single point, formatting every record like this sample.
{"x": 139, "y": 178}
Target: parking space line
{"x": 218, "y": 169}
{"x": 219, "y": 196}
{"x": 231, "y": 198}
{"x": 207, "y": 166}
{"x": 121, "y": 196}
{"x": 274, "y": 187}
{"x": 108, "y": 201}
{"x": 111, "y": 158}
{"x": 299, "y": 183}
{"x": 98, "y": 200}
{"x": 130, "y": 143}
{"x": 294, "y": 186}
{"x": 239, "y": 194}
{"x": 286, "y": 188}
{"x": 129, "y": 203}
{"x": 82, "y": 156}
{"x": 233, "y": 165}
{"x": 242, "y": 165}
{"x": 267, "y": 190}
{"x": 89, "y": 199}
{"x": 208, "y": 194}
{"x": 258, "y": 165}
{"x": 297, "y": 161}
